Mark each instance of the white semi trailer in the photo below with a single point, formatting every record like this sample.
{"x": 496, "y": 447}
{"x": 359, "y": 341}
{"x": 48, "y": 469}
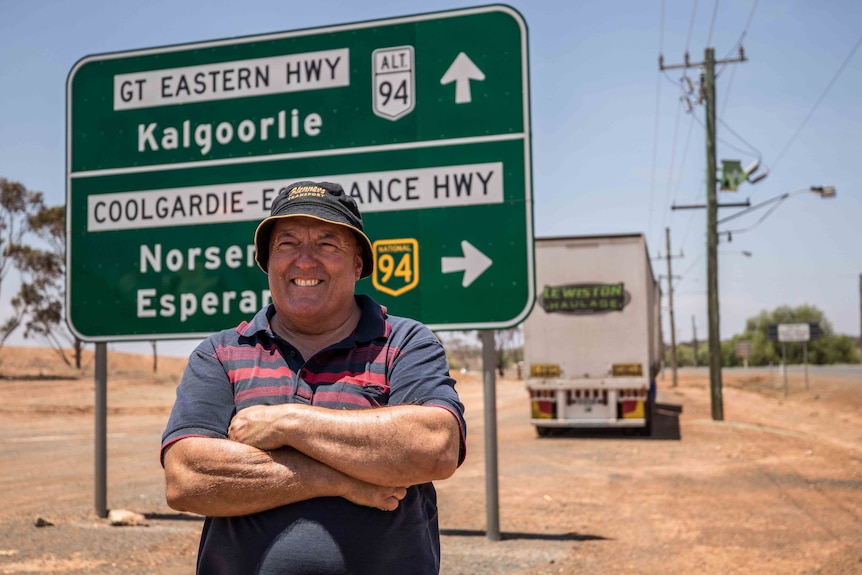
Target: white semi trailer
{"x": 592, "y": 343}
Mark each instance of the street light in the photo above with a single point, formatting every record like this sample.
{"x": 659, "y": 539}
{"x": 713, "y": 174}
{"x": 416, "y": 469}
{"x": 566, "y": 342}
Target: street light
{"x": 749, "y": 172}
{"x": 822, "y": 191}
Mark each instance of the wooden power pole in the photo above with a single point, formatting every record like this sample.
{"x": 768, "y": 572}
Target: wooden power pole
{"x": 670, "y": 304}
{"x": 714, "y": 335}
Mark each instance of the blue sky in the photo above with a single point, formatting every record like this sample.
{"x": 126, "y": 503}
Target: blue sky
{"x": 613, "y": 144}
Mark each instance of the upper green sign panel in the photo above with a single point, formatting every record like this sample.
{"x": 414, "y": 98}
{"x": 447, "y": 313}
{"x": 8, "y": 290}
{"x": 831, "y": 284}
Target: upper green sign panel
{"x": 175, "y": 153}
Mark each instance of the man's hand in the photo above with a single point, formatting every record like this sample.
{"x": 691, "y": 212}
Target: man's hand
{"x": 257, "y": 426}
{"x": 383, "y": 498}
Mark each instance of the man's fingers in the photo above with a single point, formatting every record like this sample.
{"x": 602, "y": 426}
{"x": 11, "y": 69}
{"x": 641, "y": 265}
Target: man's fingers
{"x": 393, "y": 501}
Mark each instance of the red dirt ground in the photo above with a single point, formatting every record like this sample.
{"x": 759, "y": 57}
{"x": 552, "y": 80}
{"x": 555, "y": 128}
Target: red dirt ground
{"x": 776, "y": 487}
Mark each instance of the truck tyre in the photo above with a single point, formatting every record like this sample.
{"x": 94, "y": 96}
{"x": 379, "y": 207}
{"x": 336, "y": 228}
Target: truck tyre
{"x": 543, "y": 431}
{"x": 646, "y": 430}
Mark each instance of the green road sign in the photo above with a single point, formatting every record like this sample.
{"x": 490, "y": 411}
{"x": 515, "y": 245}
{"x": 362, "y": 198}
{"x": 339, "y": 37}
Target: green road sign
{"x": 175, "y": 153}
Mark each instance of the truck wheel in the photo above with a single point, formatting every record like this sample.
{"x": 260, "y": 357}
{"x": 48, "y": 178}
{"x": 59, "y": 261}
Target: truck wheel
{"x": 543, "y": 431}
{"x": 646, "y": 430}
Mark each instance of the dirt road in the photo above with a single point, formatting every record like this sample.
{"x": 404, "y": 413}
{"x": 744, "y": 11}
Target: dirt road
{"x": 774, "y": 488}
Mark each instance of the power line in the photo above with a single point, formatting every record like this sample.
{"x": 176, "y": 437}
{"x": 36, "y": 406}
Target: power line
{"x": 732, "y": 50}
{"x": 740, "y": 138}
{"x": 728, "y": 144}
{"x": 679, "y": 177}
{"x": 671, "y": 80}
{"x": 686, "y": 88}
{"x": 691, "y": 216}
{"x": 727, "y": 93}
{"x": 712, "y": 23}
{"x": 681, "y": 168}
{"x": 672, "y": 160}
{"x": 817, "y": 103}
{"x": 747, "y": 25}
{"x": 654, "y": 153}
{"x": 661, "y": 30}
{"x": 691, "y": 25}
{"x": 684, "y": 157}
{"x": 655, "y": 126}
{"x": 687, "y": 228}
{"x": 691, "y": 266}
{"x": 741, "y": 36}
{"x": 752, "y": 226}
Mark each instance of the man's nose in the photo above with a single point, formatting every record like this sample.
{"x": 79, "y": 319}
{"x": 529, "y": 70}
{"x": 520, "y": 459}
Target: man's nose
{"x": 306, "y": 253}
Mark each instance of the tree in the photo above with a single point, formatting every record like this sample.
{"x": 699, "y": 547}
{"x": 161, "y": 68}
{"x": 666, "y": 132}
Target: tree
{"x": 684, "y": 355}
{"x": 17, "y": 205}
{"x": 42, "y": 293}
{"x": 462, "y": 350}
{"x": 828, "y": 348}
{"x": 508, "y": 348}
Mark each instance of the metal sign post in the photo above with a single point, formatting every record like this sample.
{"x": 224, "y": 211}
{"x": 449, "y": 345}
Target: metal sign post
{"x": 489, "y": 381}
{"x": 793, "y": 332}
{"x": 100, "y": 409}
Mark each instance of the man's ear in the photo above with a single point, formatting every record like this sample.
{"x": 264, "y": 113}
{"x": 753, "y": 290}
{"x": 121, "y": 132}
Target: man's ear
{"x": 358, "y": 266}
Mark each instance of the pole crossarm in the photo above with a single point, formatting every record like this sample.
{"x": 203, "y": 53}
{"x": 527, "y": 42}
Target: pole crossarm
{"x": 687, "y": 64}
{"x": 744, "y": 204}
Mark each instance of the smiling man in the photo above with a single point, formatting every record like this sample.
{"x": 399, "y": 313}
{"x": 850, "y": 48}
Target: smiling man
{"x": 309, "y": 436}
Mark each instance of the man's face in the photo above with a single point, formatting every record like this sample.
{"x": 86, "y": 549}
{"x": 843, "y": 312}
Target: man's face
{"x": 313, "y": 268}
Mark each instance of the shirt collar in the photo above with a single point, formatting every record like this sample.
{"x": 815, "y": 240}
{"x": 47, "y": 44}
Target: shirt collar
{"x": 372, "y": 322}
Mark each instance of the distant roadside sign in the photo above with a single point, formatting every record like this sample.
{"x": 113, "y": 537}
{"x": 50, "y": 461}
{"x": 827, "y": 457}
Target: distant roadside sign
{"x": 794, "y": 332}
{"x": 790, "y": 332}
{"x": 175, "y": 153}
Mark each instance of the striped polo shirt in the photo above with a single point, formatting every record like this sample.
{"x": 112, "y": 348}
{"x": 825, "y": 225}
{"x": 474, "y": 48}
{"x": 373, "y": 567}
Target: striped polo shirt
{"x": 388, "y": 360}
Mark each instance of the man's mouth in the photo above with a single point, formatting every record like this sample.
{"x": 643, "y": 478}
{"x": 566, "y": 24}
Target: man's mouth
{"x": 305, "y": 283}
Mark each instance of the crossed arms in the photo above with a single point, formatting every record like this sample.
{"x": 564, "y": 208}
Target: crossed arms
{"x": 281, "y": 454}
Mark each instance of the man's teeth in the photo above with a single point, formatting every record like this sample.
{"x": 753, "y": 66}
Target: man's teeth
{"x": 306, "y": 283}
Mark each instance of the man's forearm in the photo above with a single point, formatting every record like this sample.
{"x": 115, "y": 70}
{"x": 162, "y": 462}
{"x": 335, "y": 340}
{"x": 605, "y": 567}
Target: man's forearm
{"x": 398, "y": 445}
{"x": 219, "y": 477}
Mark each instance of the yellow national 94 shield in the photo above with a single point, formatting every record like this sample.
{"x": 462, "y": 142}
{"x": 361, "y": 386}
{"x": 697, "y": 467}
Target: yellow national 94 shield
{"x": 396, "y": 265}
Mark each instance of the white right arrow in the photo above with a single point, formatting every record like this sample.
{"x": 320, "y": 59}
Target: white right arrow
{"x": 461, "y": 72}
{"x": 472, "y": 263}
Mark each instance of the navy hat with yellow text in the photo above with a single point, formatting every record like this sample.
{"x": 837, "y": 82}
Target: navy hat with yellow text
{"x": 320, "y": 200}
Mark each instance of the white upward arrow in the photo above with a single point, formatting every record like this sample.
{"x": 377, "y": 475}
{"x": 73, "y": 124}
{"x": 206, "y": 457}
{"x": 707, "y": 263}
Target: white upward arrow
{"x": 473, "y": 263}
{"x": 461, "y": 72}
